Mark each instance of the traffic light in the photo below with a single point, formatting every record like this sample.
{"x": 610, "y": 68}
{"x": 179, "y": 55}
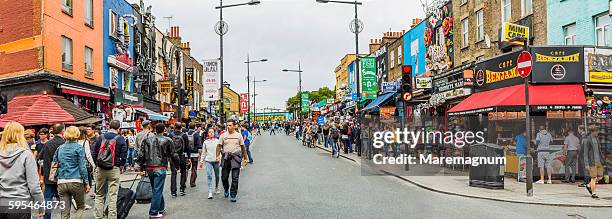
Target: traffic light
{"x": 184, "y": 100}
{"x": 406, "y": 78}
{"x": 3, "y": 104}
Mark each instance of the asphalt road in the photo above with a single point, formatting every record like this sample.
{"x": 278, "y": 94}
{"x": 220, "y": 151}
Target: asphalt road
{"x": 292, "y": 181}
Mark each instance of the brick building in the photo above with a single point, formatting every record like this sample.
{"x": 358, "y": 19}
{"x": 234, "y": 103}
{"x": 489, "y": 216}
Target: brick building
{"x": 341, "y": 72}
{"x": 589, "y": 27}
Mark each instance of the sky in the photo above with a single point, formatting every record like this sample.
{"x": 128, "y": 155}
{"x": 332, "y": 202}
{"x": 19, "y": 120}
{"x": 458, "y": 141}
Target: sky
{"x": 286, "y": 32}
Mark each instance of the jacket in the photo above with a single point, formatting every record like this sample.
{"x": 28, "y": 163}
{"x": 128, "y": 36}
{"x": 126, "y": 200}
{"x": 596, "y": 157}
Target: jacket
{"x": 591, "y": 151}
{"x": 156, "y": 151}
{"x": 235, "y": 159}
{"x": 47, "y": 156}
{"x": 120, "y": 148}
{"x": 71, "y": 160}
{"x": 19, "y": 177}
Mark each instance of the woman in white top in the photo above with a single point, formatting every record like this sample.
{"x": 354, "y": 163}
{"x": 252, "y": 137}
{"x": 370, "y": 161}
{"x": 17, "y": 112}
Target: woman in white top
{"x": 212, "y": 162}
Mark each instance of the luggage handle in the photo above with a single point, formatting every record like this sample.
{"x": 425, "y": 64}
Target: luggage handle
{"x": 133, "y": 181}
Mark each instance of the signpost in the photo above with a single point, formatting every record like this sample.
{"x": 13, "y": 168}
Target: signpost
{"x": 524, "y": 64}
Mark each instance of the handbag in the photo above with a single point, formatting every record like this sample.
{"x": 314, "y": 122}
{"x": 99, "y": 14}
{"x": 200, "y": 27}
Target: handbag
{"x": 54, "y": 168}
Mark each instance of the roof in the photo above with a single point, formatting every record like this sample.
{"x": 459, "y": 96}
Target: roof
{"x": 45, "y": 109}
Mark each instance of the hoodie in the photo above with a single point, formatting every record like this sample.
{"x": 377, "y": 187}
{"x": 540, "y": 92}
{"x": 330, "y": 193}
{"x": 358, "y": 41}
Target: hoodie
{"x": 19, "y": 177}
{"x": 543, "y": 139}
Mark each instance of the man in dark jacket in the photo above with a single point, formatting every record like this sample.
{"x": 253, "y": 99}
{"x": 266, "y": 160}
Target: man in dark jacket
{"x": 181, "y": 163}
{"x": 154, "y": 154}
{"x": 46, "y": 156}
{"x": 194, "y": 155}
{"x": 107, "y": 180}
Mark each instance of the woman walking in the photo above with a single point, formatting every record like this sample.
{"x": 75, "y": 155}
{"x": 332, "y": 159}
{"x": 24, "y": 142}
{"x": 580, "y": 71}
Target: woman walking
{"x": 212, "y": 162}
{"x": 18, "y": 172}
{"x": 72, "y": 176}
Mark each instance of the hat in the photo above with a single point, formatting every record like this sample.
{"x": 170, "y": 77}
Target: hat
{"x": 145, "y": 123}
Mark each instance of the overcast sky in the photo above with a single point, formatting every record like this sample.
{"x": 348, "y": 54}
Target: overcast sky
{"x": 285, "y": 32}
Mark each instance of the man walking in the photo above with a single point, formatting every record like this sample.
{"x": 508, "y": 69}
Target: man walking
{"x": 108, "y": 169}
{"x": 154, "y": 154}
{"x": 593, "y": 159}
{"x": 147, "y": 132}
{"x": 247, "y": 138}
{"x": 46, "y": 156}
{"x": 272, "y": 129}
{"x": 570, "y": 149}
{"x": 180, "y": 141}
{"x": 234, "y": 154}
{"x": 195, "y": 150}
{"x": 543, "y": 139}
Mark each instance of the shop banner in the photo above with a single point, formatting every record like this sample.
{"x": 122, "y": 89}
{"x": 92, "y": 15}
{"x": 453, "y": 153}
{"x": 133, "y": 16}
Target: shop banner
{"x": 599, "y": 65}
{"x": 497, "y": 72}
{"x": 382, "y": 69}
{"x": 127, "y": 98}
{"x": 423, "y": 82}
{"x": 212, "y": 84}
{"x": 510, "y": 31}
{"x": 388, "y": 87}
{"x": 387, "y": 112}
{"x": 352, "y": 84}
{"x": 165, "y": 87}
{"x": 369, "y": 86}
{"x": 305, "y": 102}
{"x": 244, "y": 98}
{"x": 558, "y": 65}
{"x": 189, "y": 84}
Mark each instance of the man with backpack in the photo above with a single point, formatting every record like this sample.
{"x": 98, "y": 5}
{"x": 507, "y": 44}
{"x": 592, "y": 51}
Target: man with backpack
{"x": 194, "y": 150}
{"x": 248, "y": 138}
{"x": 109, "y": 153}
{"x": 180, "y": 141}
{"x": 334, "y": 136}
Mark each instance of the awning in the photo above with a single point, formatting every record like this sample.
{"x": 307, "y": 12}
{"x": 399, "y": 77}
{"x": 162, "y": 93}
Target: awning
{"x": 67, "y": 89}
{"x": 379, "y": 101}
{"x": 45, "y": 109}
{"x": 152, "y": 115}
{"x": 539, "y": 95}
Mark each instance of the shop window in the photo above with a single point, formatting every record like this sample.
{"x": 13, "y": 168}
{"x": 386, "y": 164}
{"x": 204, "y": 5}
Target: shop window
{"x": 67, "y": 7}
{"x": 465, "y": 33}
{"x": 113, "y": 23}
{"x": 526, "y": 7}
{"x": 88, "y": 4}
{"x": 66, "y": 53}
{"x": 506, "y": 9}
{"x": 602, "y": 30}
{"x": 569, "y": 32}
{"x": 88, "y": 62}
{"x": 479, "y": 25}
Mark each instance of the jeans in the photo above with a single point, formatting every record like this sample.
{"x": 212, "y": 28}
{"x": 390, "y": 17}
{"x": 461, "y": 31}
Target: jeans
{"x": 570, "y": 165}
{"x": 107, "y": 185}
{"x": 334, "y": 145}
{"x": 225, "y": 173}
{"x": 347, "y": 145}
{"x": 194, "y": 171}
{"x": 319, "y": 138}
{"x": 325, "y": 141}
{"x": 69, "y": 191}
{"x": 297, "y": 135}
{"x": 50, "y": 193}
{"x": 130, "y": 156}
{"x": 157, "y": 179}
{"x": 272, "y": 131}
{"x": 248, "y": 149}
{"x": 210, "y": 167}
{"x": 182, "y": 166}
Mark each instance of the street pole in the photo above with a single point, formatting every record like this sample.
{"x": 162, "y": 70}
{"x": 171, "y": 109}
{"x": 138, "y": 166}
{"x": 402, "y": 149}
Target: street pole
{"x": 180, "y": 88}
{"x": 248, "y": 89}
{"x": 358, "y": 73}
{"x": 528, "y": 158}
{"x": 221, "y": 61}
{"x": 254, "y": 103}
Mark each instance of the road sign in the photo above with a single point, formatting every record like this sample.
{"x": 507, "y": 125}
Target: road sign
{"x": 407, "y": 96}
{"x": 321, "y": 120}
{"x": 524, "y": 64}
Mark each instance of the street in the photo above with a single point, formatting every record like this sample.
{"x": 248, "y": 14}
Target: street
{"x": 288, "y": 180}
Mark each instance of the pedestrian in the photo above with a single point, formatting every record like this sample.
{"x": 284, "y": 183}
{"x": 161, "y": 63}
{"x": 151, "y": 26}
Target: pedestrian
{"x": 31, "y": 140}
{"x": 584, "y": 169}
{"x": 356, "y": 131}
{"x": 194, "y": 153}
{"x": 43, "y": 137}
{"x": 47, "y": 157}
{"x": 543, "y": 140}
{"x": 521, "y": 148}
{"x": 320, "y": 134}
{"x": 326, "y": 135}
{"x": 594, "y": 159}
{"x": 147, "y": 132}
{"x": 17, "y": 173}
{"x": 180, "y": 141}
{"x": 72, "y": 180}
{"x": 211, "y": 161}
{"x": 334, "y": 135}
{"x": 108, "y": 166}
{"x": 273, "y": 129}
{"x": 131, "y": 142}
{"x": 248, "y": 139}
{"x": 90, "y": 164}
{"x": 234, "y": 154}
{"x": 154, "y": 154}
{"x": 345, "y": 138}
{"x": 570, "y": 149}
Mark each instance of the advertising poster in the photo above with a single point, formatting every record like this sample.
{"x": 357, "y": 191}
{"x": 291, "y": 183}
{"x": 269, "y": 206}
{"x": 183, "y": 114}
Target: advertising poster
{"x": 189, "y": 84}
{"x": 211, "y": 80}
{"x": 369, "y": 86}
{"x": 305, "y": 102}
{"x": 244, "y": 98}
{"x": 352, "y": 85}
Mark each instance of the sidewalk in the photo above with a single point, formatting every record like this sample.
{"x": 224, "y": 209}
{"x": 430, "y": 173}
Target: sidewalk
{"x": 556, "y": 194}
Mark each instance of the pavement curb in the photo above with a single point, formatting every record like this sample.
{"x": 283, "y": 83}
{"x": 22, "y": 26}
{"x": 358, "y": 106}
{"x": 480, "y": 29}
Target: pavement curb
{"x": 341, "y": 155}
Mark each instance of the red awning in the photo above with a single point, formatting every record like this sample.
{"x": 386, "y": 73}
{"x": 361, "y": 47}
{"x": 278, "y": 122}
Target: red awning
{"x": 43, "y": 109}
{"x": 84, "y": 92}
{"x": 539, "y": 95}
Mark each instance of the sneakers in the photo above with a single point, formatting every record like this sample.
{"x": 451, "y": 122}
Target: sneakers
{"x": 589, "y": 189}
{"x": 549, "y": 181}
{"x": 226, "y": 194}
{"x": 582, "y": 185}
{"x": 87, "y": 207}
{"x": 540, "y": 182}
{"x": 174, "y": 195}
{"x": 233, "y": 199}
{"x": 594, "y": 196}
{"x": 183, "y": 193}
{"x": 210, "y": 196}
{"x": 217, "y": 191}
{"x": 159, "y": 215}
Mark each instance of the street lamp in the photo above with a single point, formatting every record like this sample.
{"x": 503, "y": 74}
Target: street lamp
{"x": 299, "y": 71}
{"x": 248, "y": 62}
{"x": 254, "y": 94}
{"x": 221, "y": 28}
{"x": 356, "y": 27}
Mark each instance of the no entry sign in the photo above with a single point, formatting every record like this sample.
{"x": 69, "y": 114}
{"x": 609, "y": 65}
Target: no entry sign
{"x": 524, "y": 64}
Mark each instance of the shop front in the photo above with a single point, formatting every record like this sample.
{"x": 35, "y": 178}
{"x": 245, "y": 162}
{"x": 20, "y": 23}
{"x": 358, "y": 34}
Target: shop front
{"x": 124, "y": 108}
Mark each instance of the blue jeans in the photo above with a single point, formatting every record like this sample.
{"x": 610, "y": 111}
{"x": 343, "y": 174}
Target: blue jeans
{"x": 50, "y": 193}
{"x": 325, "y": 141}
{"x": 157, "y": 178}
{"x": 130, "y": 156}
{"x": 248, "y": 149}
{"x": 334, "y": 146}
{"x": 210, "y": 167}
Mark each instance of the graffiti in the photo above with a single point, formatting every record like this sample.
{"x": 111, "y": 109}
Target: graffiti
{"x": 439, "y": 40}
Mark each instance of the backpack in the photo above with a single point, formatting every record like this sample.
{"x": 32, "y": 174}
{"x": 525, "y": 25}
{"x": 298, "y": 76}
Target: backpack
{"x": 106, "y": 153}
{"x": 334, "y": 133}
{"x": 179, "y": 144}
{"x": 191, "y": 144}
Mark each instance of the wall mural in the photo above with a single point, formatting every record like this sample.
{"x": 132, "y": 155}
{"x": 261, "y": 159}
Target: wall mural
{"x": 439, "y": 39}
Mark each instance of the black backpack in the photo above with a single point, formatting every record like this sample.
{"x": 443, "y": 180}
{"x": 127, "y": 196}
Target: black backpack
{"x": 106, "y": 153}
{"x": 179, "y": 144}
{"x": 191, "y": 144}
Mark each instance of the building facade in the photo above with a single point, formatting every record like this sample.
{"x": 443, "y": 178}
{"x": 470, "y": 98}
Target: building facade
{"x": 231, "y": 102}
{"x": 341, "y": 72}
{"x": 145, "y": 56}
{"x": 589, "y": 27}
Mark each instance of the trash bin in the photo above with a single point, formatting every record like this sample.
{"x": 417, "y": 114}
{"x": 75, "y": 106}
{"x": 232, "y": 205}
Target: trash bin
{"x": 490, "y": 176}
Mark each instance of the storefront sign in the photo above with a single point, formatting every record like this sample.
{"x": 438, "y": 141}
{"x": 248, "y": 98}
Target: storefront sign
{"x": 128, "y": 125}
{"x": 382, "y": 69}
{"x": 497, "y": 72}
{"x": 113, "y": 61}
{"x": 558, "y": 65}
{"x": 127, "y": 98}
{"x": 316, "y": 114}
{"x": 599, "y": 65}
{"x": 165, "y": 87}
{"x": 387, "y": 112}
{"x": 388, "y": 87}
{"x": 559, "y": 107}
{"x": 244, "y": 106}
{"x": 423, "y": 82}
{"x": 305, "y": 102}
{"x": 189, "y": 83}
{"x": 321, "y": 120}
{"x": 211, "y": 84}
{"x": 369, "y": 85}
{"x": 513, "y": 31}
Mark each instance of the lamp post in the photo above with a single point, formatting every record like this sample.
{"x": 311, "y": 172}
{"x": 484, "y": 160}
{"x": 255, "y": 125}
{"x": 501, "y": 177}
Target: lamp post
{"x": 221, "y": 28}
{"x": 356, "y": 27}
{"x": 248, "y": 62}
{"x": 299, "y": 71}
{"x": 255, "y": 94}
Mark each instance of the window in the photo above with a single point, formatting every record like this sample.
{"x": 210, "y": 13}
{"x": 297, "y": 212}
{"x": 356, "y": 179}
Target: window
{"x": 88, "y": 62}
{"x": 569, "y": 32}
{"x": 66, "y": 53}
{"x": 602, "y": 30}
{"x": 113, "y": 23}
{"x": 399, "y": 55}
{"x": 465, "y": 33}
{"x": 88, "y": 12}
{"x": 506, "y": 10}
{"x": 67, "y": 6}
{"x": 392, "y": 58}
{"x": 526, "y": 7}
{"x": 479, "y": 25}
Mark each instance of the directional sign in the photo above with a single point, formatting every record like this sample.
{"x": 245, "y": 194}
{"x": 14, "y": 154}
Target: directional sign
{"x": 524, "y": 64}
{"x": 407, "y": 96}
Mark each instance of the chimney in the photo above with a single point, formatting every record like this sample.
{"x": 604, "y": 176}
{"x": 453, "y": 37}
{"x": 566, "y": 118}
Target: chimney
{"x": 186, "y": 48}
{"x": 415, "y": 22}
{"x": 374, "y": 45}
{"x": 174, "y": 36}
